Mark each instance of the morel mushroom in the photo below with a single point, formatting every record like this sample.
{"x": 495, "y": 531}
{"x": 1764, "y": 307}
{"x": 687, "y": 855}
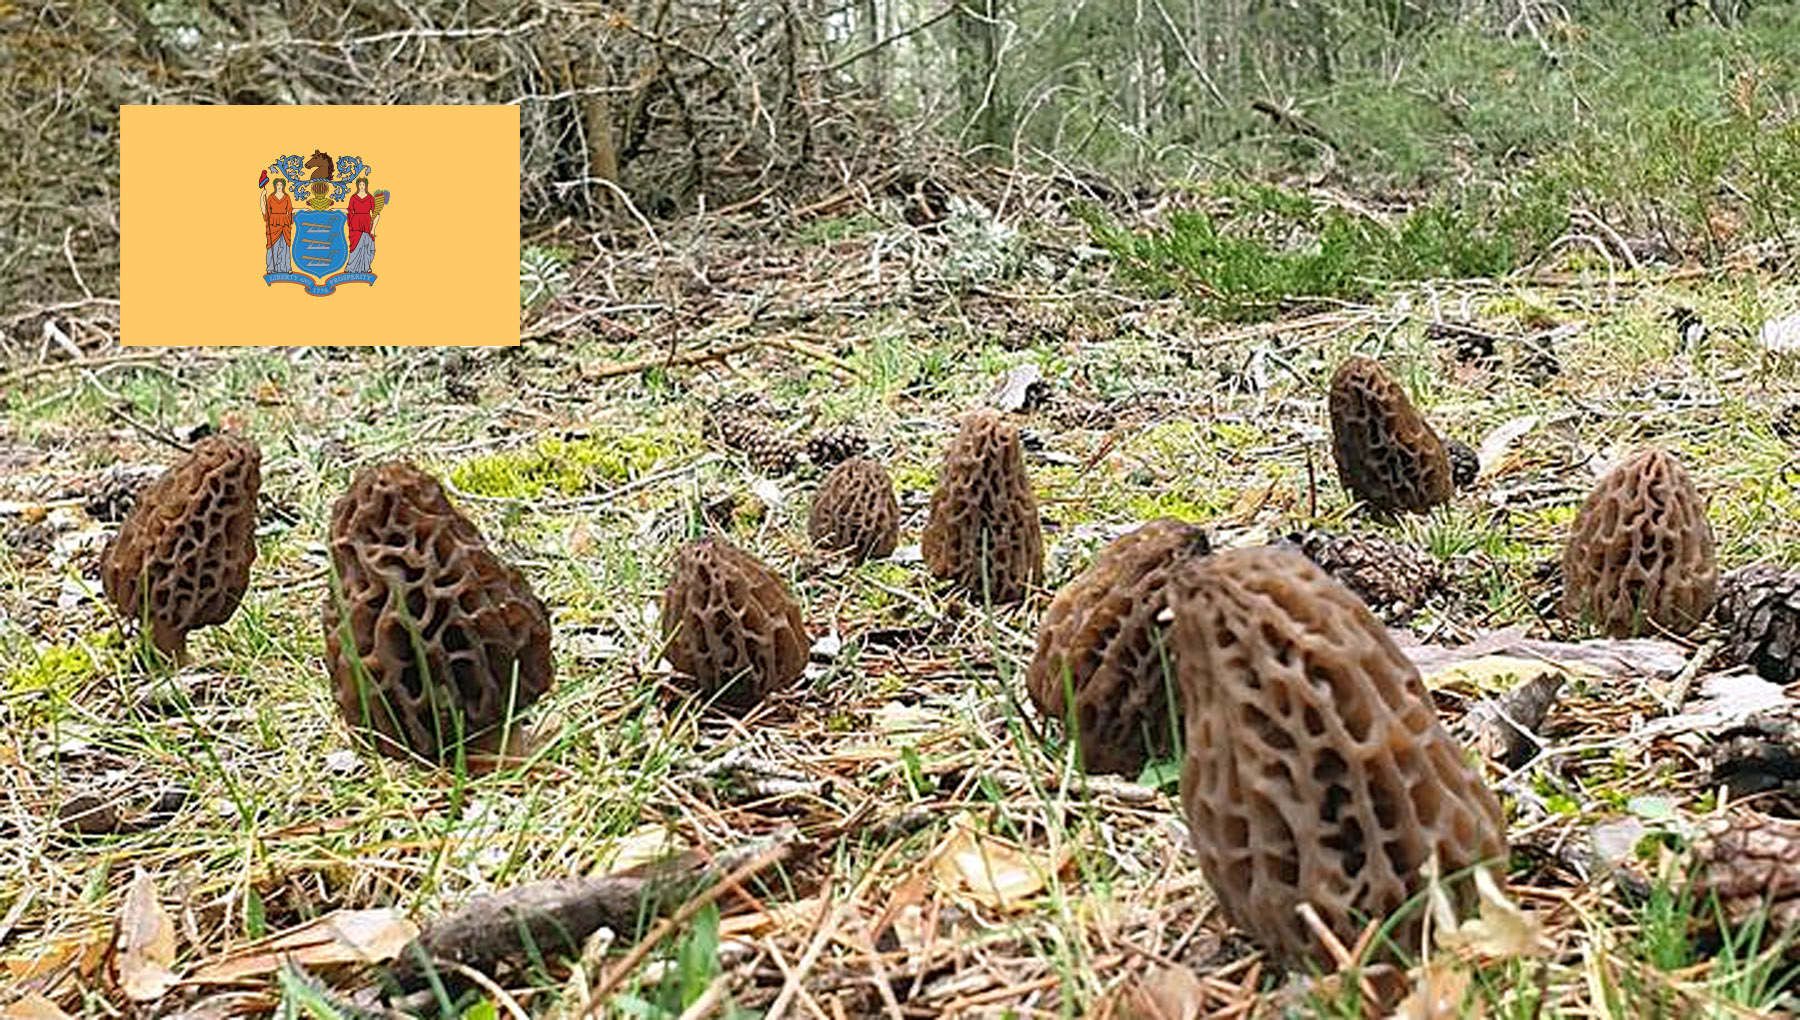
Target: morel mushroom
{"x": 855, "y": 509}
{"x": 983, "y": 532}
{"x": 1103, "y": 643}
{"x": 1316, "y": 769}
{"x": 1641, "y": 551}
{"x": 435, "y": 644}
{"x": 729, "y": 622}
{"x": 182, "y": 557}
{"x": 1386, "y": 453}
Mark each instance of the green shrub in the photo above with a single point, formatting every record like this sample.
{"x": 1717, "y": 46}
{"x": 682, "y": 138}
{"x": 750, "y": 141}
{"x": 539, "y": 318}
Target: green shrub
{"x": 1259, "y": 247}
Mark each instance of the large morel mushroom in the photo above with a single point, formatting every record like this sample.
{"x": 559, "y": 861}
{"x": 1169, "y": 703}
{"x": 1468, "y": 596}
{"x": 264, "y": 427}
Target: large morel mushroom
{"x": 855, "y": 509}
{"x": 1387, "y": 455}
{"x": 435, "y": 644}
{"x": 1102, "y": 641}
{"x": 1316, "y": 769}
{"x": 730, "y": 623}
{"x": 1640, "y": 554}
{"x": 983, "y": 532}
{"x": 181, "y": 559}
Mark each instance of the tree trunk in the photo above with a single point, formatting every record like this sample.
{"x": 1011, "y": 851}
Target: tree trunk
{"x": 977, "y": 47}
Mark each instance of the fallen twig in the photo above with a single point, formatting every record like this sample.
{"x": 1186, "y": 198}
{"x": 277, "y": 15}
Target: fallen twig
{"x": 670, "y": 360}
{"x": 632, "y": 959}
{"x": 557, "y": 916}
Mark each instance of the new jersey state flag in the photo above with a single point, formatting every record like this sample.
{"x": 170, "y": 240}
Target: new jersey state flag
{"x": 253, "y": 225}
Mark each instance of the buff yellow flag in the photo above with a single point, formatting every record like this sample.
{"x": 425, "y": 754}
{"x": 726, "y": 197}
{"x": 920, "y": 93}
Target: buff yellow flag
{"x": 251, "y": 225}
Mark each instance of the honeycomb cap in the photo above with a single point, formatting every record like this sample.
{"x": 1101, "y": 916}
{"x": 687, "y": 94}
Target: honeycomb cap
{"x": 181, "y": 558}
{"x": 1316, "y": 769}
{"x": 983, "y": 533}
{"x": 1102, "y": 641}
{"x": 1387, "y": 455}
{"x": 1641, "y": 551}
{"x": 432, "y": 640}
{"x": 855, "y": 508}
{"x": 729, "y": 622}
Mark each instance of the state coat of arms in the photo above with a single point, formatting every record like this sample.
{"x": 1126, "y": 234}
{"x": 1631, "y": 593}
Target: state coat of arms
{"x": 319, "y": 222}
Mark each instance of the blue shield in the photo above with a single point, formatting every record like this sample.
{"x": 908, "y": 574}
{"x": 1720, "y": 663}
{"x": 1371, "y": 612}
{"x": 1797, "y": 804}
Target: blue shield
{"x": 319, "y": 245}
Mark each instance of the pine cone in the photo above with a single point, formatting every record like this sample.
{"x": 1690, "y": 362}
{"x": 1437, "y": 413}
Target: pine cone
{"x": 831, "y": 447}
{"x": 750, "y": 434}
{"x": 1786, "y": 423}
{"x": 1752, "y": 864}
{"x": 1394, "y": 580}
{"x": 1465, "y": 463}
{"x": 1760, "y": 758}
{"x": 1760, "y": 607}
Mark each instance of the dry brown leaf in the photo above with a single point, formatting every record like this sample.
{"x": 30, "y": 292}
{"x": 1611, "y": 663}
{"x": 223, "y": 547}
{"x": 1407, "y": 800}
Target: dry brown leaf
{"x": 778, "y": 917}
{"x": 1498, "y": 442}
{"x": 89, "y": 952}
{"x": 991, "y": 871}
{"x": 146, "y": 944}
{"x": 1501, "y": 929}
{"x": 1165, "y": 993}
{"x": 1494, "y": 674}
{"x": 1439, "y": 996}
{"x": 641, "y": 846}
{"x": 340, "y": 937}
{"x": 33, "y": 1007}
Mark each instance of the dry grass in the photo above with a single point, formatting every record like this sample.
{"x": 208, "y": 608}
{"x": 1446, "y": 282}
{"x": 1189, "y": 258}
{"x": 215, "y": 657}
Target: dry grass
{"x": 909, "y": 747}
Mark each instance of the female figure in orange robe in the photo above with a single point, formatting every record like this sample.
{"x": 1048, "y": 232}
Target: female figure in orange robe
{"x": 278, "y": 227}
{"x": 361, "y": 225}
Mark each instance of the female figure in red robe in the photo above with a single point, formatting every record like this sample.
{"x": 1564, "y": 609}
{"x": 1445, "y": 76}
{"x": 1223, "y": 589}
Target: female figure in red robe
{"x": 278, "y": 228}
{"x": 361, "y": 225}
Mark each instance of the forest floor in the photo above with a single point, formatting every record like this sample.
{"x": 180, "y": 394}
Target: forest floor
{"x": 921, "y": 844}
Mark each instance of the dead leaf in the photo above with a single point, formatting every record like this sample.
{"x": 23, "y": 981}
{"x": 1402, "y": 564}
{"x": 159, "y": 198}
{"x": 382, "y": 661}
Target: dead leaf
{"x": 1500, "y": 930}
{"x": 582, "y": 542}
{"x": 991, "y": 871}
{"x": 1496, "y": 443}
{"x": 1629, "y": 657}
{"x": 904, "y": 724}
{"x": 645, "y": 844}
{"x": 1439, "y": 996}
{"x": 1022, "y": 388}
{"x": 1724, "y": 700}
{"x": 1615, "y": 842}
{"x": 146, "y": 943}
{"x": 1503, "y": 728}
{"x": 1491, "y": 674}
{"x": 340, "y": 937}
{"x": 777, "y": 917}
{"x": 228, "y": 1006}
{"x": 88, "y": 952}
{"x": 1780, "y": 336}
{"x": 1165, "y": 993}
{"x": 33, "y": 1007}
